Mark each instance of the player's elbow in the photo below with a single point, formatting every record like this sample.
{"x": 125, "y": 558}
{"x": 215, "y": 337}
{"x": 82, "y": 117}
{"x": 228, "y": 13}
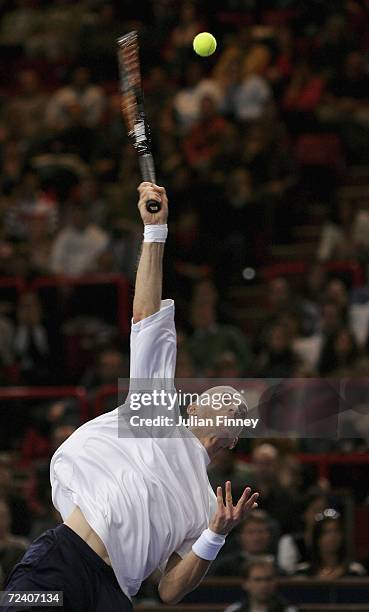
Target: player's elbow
{"x": 168, "y": 595}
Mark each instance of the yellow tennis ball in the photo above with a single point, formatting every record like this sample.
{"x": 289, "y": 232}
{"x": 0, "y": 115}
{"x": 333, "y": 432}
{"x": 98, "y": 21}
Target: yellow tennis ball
{"x": 204, "y": 44}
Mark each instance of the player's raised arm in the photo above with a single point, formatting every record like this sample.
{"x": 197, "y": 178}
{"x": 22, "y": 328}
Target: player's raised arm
{"x": 149, "y": 278}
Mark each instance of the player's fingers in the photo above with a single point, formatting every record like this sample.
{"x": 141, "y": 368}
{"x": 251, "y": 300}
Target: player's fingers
{"x": 229, "y": 501}
{"x": 250, "y": 503}
{"x": 244, "y": 497}
{"x": 143, "y": 185}
{"x": 149, "y": 193}
{"x": 220, "y": 500}
{"x": 157, "y": 188}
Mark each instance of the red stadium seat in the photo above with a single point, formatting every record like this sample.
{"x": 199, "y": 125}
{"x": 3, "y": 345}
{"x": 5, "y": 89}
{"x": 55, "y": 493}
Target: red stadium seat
{"x": 278, "y": 17}
{"x": 320, "y": 150}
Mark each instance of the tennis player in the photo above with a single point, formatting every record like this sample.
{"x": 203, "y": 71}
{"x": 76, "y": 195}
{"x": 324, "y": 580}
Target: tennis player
{"x": 133, "y": 505}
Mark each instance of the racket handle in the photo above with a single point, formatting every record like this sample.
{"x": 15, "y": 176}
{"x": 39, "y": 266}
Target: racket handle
{"x": 148, "y": 174}
{"x": 153, "y": 206}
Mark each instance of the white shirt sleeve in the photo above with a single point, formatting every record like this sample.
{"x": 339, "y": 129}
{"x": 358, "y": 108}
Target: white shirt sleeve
{"x": 154, "y": 345}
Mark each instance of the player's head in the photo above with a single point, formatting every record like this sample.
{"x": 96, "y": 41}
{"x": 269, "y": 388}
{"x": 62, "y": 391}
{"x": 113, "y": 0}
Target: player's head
{"x": 219, "y": 406}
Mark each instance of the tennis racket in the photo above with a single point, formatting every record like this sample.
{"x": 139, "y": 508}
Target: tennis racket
{"x": 133, "y": 108}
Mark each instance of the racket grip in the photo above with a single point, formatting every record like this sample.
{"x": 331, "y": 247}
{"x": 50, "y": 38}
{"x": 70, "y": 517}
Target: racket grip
{"x": 148, "y": 174}
{"x": 153, "y": 206}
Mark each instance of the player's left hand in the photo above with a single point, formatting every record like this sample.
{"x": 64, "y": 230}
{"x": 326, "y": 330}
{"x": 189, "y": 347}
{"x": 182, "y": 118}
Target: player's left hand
{"x": 227, "y": 515}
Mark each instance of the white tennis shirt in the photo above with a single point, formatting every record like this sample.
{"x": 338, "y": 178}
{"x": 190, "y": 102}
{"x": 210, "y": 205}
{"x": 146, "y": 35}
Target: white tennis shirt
{"x": 145, "y": 497}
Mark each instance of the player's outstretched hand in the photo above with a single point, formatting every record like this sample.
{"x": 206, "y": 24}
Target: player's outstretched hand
{"x": 227, "y": 515}
{"x": 149, "y": 191}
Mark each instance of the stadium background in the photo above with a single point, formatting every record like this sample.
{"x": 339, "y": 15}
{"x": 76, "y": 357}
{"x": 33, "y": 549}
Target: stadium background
{"x": 264, "y": 151}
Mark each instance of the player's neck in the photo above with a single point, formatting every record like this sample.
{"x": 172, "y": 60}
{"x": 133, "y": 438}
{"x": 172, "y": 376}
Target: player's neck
{"x": 212, "y": 444}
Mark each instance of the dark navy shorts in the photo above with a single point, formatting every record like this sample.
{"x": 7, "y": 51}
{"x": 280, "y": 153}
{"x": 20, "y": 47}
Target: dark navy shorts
{"x": 60, "y": 560}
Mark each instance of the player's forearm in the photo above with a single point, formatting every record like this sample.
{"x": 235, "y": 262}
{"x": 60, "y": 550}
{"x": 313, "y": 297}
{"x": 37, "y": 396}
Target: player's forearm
{"x": 149, "y": 281}
{"x": 182, "y": 578}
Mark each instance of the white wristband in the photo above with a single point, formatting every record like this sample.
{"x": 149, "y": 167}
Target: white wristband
{"x": 208, "y": 545}
{"x": 155, "y": 233}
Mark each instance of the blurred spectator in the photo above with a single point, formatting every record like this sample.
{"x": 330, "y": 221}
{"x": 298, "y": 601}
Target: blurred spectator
{"x": 354, "y": 419}
{"x": 345, "y": 237}
{"x": 19, "y": 511}
{"x": 80, "y": 93}
{"x": 12, "y": 547}
{"x": 268, "y": 158}
{"x": 336, "y": 291}
{"x": 38, "y": 244}
{"x": 78, "y": 245}
{"x": 26, "y": 114}
{"x": 227, "y": 365}
{"x": 110, "y": 365}
{"x": 274, "y": 499}
{"x": 184, "y": 365}
{"x": 27, "y": 202}
{"x": 334, "y": 43}
{"x": 225, "y": 466}
{"x": 254, "y": 95}
{"x": 280, "y": 301}
{"x": 45, "y": 515}
{"x": 209, "y": 339}
{"x": 12, "y": 162}
{"x": 226, "y": 75}
{"x": 189, "y": 259}
{"x": 302, "y": 97}
{"x": 99, "y": 31}
{"x": 277, "y": 359}
{"x": 187, "y": 27}
{"x": 283, "y": 62}
{"x": 255, "y": 538}
{"x": 20, "y": 23}
{"x": 349, "y": 91}
{"x": 31, "y": 341}
{"x": 47, "y": 429}
{"x": 296, "y": 547}
{"x": 338, "y": 353}
{"x": 315, "y": 282}
{"x": 260, "y": 586}
{"x": 187, "y": 102}
{"x": 6, "y": 347}
{"x": 329, "y": 557}
{"x": 203, "y": 142}
{"x": 332, "y": 318}
{"x": 108, "y": 151}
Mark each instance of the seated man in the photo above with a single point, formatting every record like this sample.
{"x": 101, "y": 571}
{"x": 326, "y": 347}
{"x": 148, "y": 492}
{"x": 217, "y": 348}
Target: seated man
{"x": 261, "y": 589}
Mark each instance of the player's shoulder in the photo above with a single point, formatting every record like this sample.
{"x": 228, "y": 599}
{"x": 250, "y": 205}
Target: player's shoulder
{"x": 166, "y": 312}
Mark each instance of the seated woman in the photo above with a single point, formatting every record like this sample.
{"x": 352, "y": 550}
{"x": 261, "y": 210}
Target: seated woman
{"x": 329, "y": 557}
{"x": 295, "y": 548}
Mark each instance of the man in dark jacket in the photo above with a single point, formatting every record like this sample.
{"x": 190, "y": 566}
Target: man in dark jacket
{"x": 261, "y": 589}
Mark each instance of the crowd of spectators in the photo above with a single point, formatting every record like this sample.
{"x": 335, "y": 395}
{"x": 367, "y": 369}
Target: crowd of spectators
{"x": 251, "y": 144}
